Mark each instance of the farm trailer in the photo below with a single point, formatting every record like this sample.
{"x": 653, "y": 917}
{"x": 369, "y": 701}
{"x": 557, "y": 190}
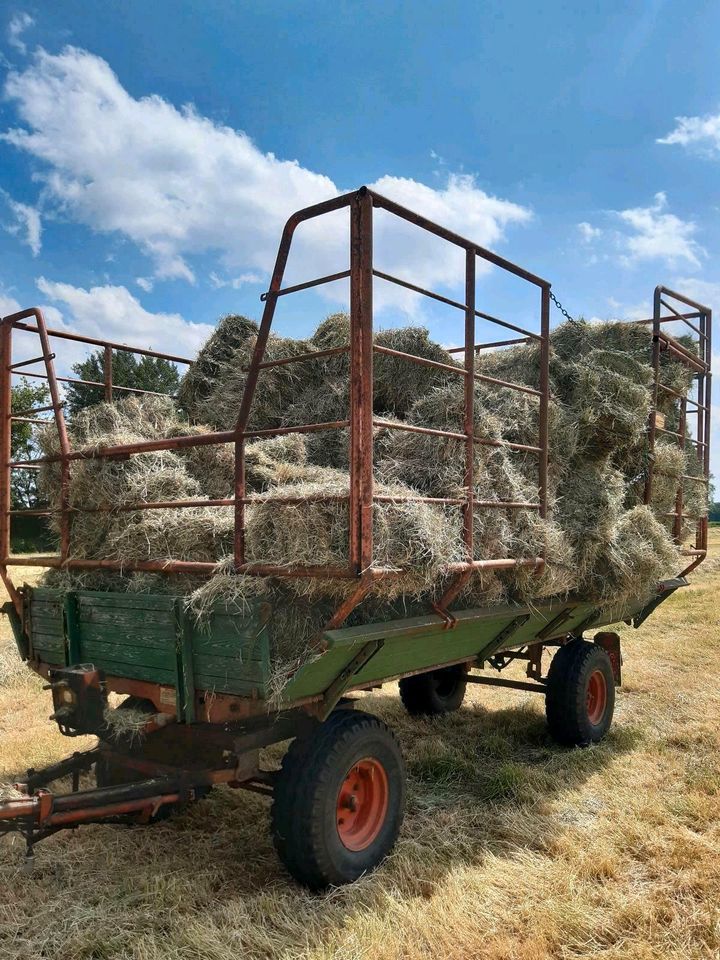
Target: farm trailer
{"x": 205, "y": 690}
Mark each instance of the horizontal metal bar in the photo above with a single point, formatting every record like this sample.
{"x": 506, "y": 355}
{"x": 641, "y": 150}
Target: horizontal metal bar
{"x": 302, "y": 357}
{"x": 430, "y": 227}
{"x": 77, "y": 338}
{"x": 27, "y": 413}
{"x": 453, "y": 303}
{"x": 683, "y": 299}
{"x": 507, "y": 504}
{"x": 411, "y": 286}
{"x": 305, "y": 286}
{"x": 672, "y": 433}
{"x": 488, "y": 346}
{"x": 423, "y": 361}
{"x": 679, "y": 350}
{"x": 94, "y": 383}
{"x": 685, "y": 320}
{"x": 29, "y": 420}
{"x": 31, "y": 513}
{"x": 506, "y": 563}
{"x": 25, "y": 464}
{"x": 510, "y": 386}
{"x": 303, "y": 428}
{"x": 452, "y": 435}
{"x": 461, "y": 371}
{"x": 511, "y": 684}
{"x": 681, "y": 396}
{"x": 27, "y": 363}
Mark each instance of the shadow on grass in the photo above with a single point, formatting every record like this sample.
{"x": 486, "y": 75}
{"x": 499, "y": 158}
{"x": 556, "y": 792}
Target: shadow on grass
{"x": 480, "y": 782}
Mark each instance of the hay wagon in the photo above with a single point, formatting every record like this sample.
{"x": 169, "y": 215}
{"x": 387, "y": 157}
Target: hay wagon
{"x": 199, "y": 705}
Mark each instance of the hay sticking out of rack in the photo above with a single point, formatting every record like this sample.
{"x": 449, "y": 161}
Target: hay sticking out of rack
{"x": 9, "y": 791}
{"x": 233, "y": 336}
{"x": 637, "y": 555}
{"x": 415, "y": 538}
{"x": 599, "y": 543}
{"x": 127, "y": 724}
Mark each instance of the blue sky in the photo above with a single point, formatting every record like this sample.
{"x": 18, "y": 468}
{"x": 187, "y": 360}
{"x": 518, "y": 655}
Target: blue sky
{"x": 151, "y": 153}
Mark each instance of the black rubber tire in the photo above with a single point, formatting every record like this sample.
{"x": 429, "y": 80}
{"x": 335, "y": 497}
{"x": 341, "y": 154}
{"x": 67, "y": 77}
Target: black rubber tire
{"x": 436, "y": 692}
{"x": 304, "y": 810}
{"x": 566, "y": 703}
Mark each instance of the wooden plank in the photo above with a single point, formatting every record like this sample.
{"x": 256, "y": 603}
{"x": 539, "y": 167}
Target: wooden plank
{"x": 131, "y": 637}
{"x": 227, "y": 667}
{"x": 132, "y": 672}
{"x": 252, "y": 649}
{"x": 46, "y": 624}
{"x": 55, "y": 658}
{"x": 138, "y": 657}
{"x": 48, "y": 641}
{"x": 126, "y": 615}
{"x": 127, "y": 601}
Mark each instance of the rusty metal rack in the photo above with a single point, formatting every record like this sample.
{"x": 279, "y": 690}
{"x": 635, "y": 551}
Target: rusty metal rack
{"x": 361, "y": 423}
{"x": 668, "y": 307}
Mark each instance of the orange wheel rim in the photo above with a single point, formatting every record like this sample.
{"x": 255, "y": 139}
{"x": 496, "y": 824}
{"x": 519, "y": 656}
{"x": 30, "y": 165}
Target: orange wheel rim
{"x": 362, "y": 804}
{"x": 596, "y": 697}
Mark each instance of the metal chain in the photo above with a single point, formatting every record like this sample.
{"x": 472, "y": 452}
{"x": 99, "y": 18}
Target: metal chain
{"x": 561, "y": 308}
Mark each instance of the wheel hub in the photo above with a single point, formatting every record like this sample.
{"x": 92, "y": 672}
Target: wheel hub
{"x": 362, "y": 804}
{"x": 596, "y": 698}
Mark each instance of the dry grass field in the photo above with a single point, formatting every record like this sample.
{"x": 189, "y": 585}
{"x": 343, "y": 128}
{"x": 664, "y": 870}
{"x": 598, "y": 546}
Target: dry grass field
{"x": 512, "y": 847}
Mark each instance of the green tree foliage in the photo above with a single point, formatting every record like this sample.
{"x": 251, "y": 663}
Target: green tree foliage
{"x": 145, "y": 373}
{"x": 23, "y": 485}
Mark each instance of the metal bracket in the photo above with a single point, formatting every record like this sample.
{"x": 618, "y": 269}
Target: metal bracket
{"x": 668, "y": 587}
{"x": 507, "y": 631}
{"x": 343, "y": 680}
{"x": 450, "y": 621}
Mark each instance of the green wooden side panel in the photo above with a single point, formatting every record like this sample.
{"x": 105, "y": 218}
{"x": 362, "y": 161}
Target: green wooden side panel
{"x": 420, "y": 643}
{"x": 231, "y": 651}
{"x": 47, "y": 627}
{"x": 148, "y": 637}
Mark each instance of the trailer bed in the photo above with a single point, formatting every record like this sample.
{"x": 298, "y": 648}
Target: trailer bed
{"x": 153, "y": 639}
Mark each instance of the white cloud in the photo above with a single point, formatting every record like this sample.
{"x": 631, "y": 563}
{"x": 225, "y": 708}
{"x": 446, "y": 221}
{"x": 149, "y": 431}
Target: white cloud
{"x": 145, "y": 283}
{"x": 700, "y": 133}
{"x": 588, "y": 233}
{"x": 235, "y": 283}
{"x": 180, "y": 185}
{"x": 113, "y": 313}
{"x": 27, "y": 225}
{"x": 17, "y": 26}
{"x": 706, "y": 292}
{"x": 658, "y": 235}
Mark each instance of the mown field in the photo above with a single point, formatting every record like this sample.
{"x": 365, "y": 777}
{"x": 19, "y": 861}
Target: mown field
{"x": 512, "y": 847}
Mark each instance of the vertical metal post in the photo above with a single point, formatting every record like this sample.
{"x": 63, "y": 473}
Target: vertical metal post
{"x": 249, "y": 390}
{"x": 543, "y": 435}
{"x": 62, "y": 436}
{"x": 679, "y": 498}
{"x": 108, "y": 374}
{"x": 361, "y": 382}
{"x": 5, "y": 436}
{"x": 653, "y": 409}
{"x": 706, "y": 327}
{"x": 469, "y": 417}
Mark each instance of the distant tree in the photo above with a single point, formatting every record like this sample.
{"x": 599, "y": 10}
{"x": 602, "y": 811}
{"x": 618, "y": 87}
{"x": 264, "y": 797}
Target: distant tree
{"x": 714, "y": 505}
{"x": 23, "y": 485}
{"x": 145, "y": 373}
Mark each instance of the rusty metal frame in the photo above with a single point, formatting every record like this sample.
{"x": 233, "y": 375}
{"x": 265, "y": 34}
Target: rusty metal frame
{"x": 361, "y": 422}
{"x": 700, "y": 363}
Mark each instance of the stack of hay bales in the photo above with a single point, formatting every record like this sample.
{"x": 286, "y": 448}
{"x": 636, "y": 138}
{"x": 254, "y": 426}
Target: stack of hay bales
{"x": 599, "y": 542}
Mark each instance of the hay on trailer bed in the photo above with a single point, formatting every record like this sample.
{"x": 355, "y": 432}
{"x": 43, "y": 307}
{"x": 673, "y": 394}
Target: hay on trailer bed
{"x": 416, "y": 539}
